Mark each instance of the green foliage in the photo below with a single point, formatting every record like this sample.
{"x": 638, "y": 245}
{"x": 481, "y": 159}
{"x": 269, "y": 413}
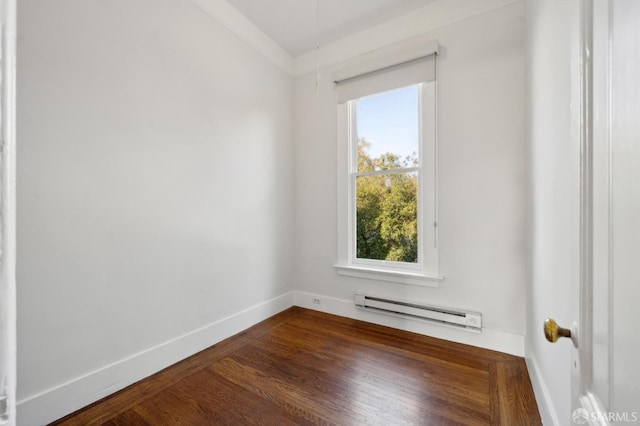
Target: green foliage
{"x": 386, "y": 208}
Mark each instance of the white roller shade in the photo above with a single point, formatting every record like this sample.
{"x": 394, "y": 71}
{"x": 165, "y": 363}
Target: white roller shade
{"x": 390, "y": 68}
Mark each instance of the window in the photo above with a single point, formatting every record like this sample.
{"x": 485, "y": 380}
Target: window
{"x": 385, "y": 173}
{"x": 387, "y": 179}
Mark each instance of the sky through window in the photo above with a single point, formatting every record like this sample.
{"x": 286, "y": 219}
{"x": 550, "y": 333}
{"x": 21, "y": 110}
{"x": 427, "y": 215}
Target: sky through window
{"x": 389, "y": 122}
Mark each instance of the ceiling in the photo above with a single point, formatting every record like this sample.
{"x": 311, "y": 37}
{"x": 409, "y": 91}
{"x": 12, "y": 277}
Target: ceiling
{"x": 293, "y": 23}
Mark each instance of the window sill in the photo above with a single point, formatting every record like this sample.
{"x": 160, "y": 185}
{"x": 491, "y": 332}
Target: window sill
{"x": 400, "y": 277}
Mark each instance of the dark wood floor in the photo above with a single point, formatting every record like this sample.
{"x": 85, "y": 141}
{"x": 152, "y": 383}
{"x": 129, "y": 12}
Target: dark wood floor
{"x": 306, "y": 367}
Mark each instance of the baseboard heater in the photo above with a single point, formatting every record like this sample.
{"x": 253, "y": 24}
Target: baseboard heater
{"x": 462, "y": 319}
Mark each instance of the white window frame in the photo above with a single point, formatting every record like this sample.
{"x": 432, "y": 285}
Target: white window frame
{"x": 425, "y": 271}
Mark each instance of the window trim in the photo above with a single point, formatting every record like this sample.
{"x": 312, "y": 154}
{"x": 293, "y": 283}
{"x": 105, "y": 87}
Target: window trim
{"x": 425, "y": 271}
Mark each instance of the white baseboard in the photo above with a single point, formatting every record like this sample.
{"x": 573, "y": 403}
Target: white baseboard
{"x": 489, "y": 339}
{"x": 540, "y": 390}
{"x": 68, "y": 397}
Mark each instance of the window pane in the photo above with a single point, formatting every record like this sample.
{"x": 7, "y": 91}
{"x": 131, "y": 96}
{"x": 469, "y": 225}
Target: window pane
{"x": 387, "y": 217}
{"x": 388, "y": 130}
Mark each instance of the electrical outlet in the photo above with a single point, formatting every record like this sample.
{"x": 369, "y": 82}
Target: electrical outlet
{"x": 316, "y": 300}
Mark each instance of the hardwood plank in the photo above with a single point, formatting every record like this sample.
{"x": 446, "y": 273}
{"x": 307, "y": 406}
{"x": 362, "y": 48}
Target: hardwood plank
{"x": 376, "y": 350}
{"x": 316, "y": 407}
{"x": 208, "y": 398}
{"x": 466, "y": 387}
{"x": 516, "y": 402}
{"x": 125, "y": 419}
{"x": 307, "y": 367}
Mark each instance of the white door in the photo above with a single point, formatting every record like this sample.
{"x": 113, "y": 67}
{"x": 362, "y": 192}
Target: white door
{"x": 605, "y": 372}
{"x": 7, "y": 213}
{"x": 615, "y": 372}
{"x": 592, "y": 363}
{"x": 589, "y": 296}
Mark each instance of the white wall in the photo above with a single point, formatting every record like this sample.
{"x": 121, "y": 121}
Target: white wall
{"x": 155, "y": 193}
{"x": 481, "y": 188}
{"x": 553, "y": 139}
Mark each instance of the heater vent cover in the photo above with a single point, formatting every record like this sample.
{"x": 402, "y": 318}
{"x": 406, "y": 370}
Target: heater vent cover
{"x": 462, "y": 319}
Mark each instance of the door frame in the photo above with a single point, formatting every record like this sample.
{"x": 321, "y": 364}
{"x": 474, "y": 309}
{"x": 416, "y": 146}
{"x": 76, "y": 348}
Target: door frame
{"x": 591, "y": 74}
{"x": 8, "y": 373}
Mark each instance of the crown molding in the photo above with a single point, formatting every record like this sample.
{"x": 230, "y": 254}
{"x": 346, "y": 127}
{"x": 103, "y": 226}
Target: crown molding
{"x": 413, "y": 24}
{"x": 238, "y": 24}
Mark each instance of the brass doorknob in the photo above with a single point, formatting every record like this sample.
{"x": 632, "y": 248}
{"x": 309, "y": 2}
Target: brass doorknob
{"x": 552, "y": 331}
